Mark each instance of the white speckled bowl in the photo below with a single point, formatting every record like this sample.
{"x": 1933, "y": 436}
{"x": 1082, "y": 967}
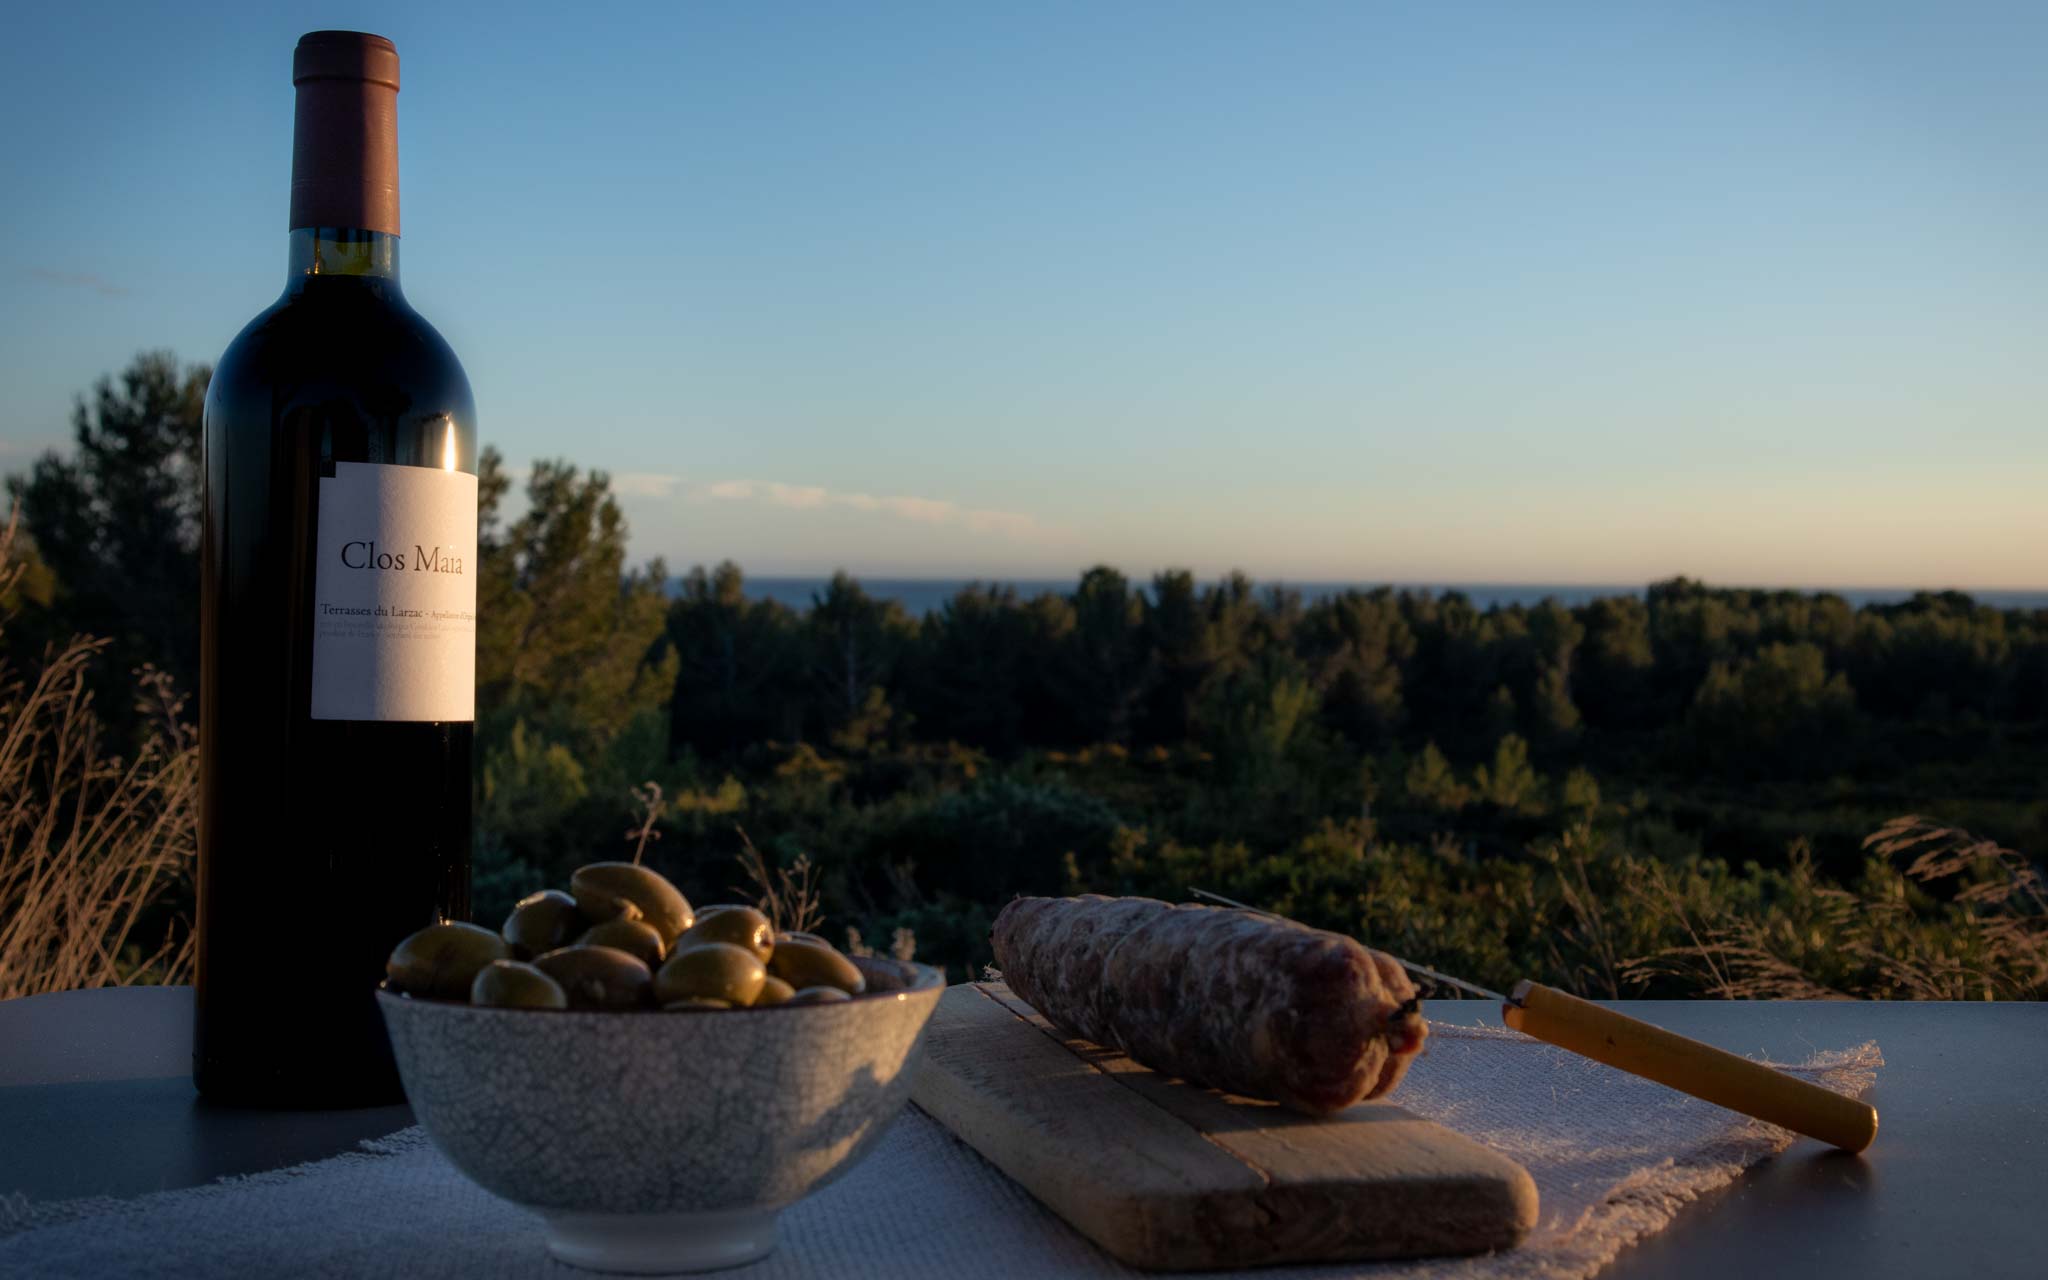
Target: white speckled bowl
{"x": 655, "y": 1142}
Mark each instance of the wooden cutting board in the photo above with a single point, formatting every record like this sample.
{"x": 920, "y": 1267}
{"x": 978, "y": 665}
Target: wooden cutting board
{"x": 1169, "y": 1176}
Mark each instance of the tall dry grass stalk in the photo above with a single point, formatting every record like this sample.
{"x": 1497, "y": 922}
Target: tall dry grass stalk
{"x": 89, "y": 841}
{"x": 1963, "y": 919}
{"x": 647, "y": 806}
{"x": 788, "y": 896}
{"x": 1733, "y": 957}
{"x": 1999, "y": 897}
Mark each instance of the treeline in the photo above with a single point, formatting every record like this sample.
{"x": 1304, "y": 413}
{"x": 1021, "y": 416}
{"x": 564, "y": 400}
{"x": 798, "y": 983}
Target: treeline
{"x": 1751, "y": 682}
{"x": 1746, "y": 683}
{"x": 1587, "y": 794}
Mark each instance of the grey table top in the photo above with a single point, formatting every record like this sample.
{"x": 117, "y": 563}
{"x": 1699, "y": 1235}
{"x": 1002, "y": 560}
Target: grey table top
{"x": 95, "y": 1100}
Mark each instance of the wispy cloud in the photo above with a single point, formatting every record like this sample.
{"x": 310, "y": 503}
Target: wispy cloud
{"x": 77, "y": 280}
{"x": 933, "y": 511}
{"x": 644, "y": 484}
{"x": 800, "y": 496}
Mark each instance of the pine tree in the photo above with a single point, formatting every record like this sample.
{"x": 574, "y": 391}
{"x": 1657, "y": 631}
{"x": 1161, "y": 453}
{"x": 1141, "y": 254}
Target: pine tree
{"x": 117, "y": 521}
{"x": 568, "y": 638}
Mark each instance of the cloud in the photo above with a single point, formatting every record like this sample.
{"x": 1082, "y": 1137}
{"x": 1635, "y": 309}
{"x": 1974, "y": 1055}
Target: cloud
{"x": 932, "y": 511}
{"x": 800, "y": 496}
{"x": 644, "y": 484}
{"x": 77, "y": 280}
{"x": 923, "y": 510}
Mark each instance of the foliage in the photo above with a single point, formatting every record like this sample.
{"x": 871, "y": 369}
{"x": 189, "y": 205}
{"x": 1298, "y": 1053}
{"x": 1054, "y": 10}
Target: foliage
{"x": 574, "y": 679}
{"x": 569, "y": 638}
{"x": 115, "y": 528}
{"x": 788, "y": 896}
{"x": 1774, "y": 711}
{"x": 1535, "y": 792}
{"x": 90, "y": 842}
{"x": 1665, "y": 793}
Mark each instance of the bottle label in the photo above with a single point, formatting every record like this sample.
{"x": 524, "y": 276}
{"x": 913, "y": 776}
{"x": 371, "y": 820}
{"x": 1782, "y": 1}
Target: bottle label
{"x": 394, "y": 594}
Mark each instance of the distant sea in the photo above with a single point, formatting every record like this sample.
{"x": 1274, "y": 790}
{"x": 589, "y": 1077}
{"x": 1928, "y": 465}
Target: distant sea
{"x": 920, "y": 596}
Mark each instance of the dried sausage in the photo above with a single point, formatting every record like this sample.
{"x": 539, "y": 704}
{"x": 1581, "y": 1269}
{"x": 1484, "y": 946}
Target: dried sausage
{"x": 1234, "y": 1000}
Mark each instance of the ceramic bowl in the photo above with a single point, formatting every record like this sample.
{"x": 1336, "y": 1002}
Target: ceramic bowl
{"x": 656, "y": 1142}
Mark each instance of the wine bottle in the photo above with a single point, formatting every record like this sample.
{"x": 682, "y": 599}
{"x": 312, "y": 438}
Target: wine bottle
{"x": 337, "y": 627}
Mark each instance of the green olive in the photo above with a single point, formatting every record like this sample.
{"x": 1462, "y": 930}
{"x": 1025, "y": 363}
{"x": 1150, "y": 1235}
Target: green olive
{"x": 802, "y": 963}
{"x": 695, "y": 1004}
{"x": 541, "y": 922}
{"x": 441, "y": 960}
{"x": 634, "y": 937}
{"x": 716, "y": 969}
{"x": 801, "y": 935}
{"x": 880, "y": 973}
{"x": 743, "y": 927}
{"x": 511, "y": 984}
{"x": 818, "y": 995}
{"x": 773, "y": 991}
{"x": 603, "y": 888}
{"x": 598, "y": 977}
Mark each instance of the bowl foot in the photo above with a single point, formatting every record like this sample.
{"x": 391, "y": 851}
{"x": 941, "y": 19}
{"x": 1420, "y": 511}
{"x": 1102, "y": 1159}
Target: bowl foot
{"x": 657, "y": 1244}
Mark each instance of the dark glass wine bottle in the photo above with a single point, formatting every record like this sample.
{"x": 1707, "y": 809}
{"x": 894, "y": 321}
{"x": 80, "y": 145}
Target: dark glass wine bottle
{"x": 338, "y": 637}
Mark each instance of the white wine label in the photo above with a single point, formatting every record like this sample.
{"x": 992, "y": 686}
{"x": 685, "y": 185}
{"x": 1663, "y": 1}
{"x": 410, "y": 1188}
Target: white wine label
{"x": 394, "y": 594}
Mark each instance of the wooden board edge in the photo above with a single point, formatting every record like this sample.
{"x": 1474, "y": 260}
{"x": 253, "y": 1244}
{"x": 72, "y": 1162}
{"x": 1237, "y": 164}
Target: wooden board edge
{"x": 1165, "y": 1229}
{"x": 1493, "y": 1198}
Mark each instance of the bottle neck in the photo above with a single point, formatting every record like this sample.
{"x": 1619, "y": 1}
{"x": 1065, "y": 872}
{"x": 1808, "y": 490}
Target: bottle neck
{"x": 342, "y": 251}
{"x": 345, "y": 137}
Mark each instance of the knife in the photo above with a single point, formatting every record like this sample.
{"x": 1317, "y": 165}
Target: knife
{"x": 1641, "y": 1049}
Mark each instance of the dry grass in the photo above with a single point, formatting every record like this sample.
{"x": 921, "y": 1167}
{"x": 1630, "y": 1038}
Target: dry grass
{"x": 648, "y": 807}
{"x": 2000, "y": 902}
{"x": 1734, "y": 957}
{"x": 1584, "y": 930}
{"x": 788, "y": 896}
{"x": 89, "y": 841}
{"x": 1963, "y": 919}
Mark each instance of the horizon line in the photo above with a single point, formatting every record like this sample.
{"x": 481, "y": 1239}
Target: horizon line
{"x": 937, "y": 578}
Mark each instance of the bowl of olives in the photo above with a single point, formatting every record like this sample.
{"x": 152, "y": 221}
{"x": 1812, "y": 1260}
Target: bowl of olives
{"x": 656, "y": 1082}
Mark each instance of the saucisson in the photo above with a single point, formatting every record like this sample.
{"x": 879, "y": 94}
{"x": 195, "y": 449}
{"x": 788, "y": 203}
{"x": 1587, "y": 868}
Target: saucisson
{"x": 1229, "y": 999}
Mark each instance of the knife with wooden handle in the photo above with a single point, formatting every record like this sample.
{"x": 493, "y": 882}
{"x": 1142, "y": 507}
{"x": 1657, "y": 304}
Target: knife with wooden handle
{"x": 1714, "y": 1075}
{"x": 1632, "y": 1045}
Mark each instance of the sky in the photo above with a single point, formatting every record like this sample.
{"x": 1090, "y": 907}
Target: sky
{"x": 1755, "y": 292}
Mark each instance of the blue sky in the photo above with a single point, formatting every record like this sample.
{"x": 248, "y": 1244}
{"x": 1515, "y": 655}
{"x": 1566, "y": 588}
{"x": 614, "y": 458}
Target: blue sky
{"x": 1568, "y": 292}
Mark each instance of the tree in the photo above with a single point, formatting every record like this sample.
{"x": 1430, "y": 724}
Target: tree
{"x": 1099, "y": 675}
{"x": 574, "y": 676}
{"x": 1182, "y": 655}
{"x": 854, "y": 641}
{"x": 568, "y": 639}
{"x": 1932, "y": 656}
{"x": 1776, "y": 712}
{"x": 1611, "y": 682}
{"x": 975, "y": 669}
{"x": 1580, "y": 794}
{"x": 1509, "y": 782}
{"x": 740, "y": 672}
{"x": 1258, "y": 718}
{"x": 1454, "y": 688}
{"x": 1430, "y": 783}
{"x": 1548, "y": 710}
{"x": 1693, "y": 627}
{"x": 117, "y": 522}
{"x": 1356, "y": 644}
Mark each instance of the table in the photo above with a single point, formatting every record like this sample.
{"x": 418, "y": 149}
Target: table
{"x": 95, "y": 1100}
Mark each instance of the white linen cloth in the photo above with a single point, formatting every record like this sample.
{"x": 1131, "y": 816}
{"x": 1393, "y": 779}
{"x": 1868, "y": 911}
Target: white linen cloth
{"x": 1614, "y": 1158}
